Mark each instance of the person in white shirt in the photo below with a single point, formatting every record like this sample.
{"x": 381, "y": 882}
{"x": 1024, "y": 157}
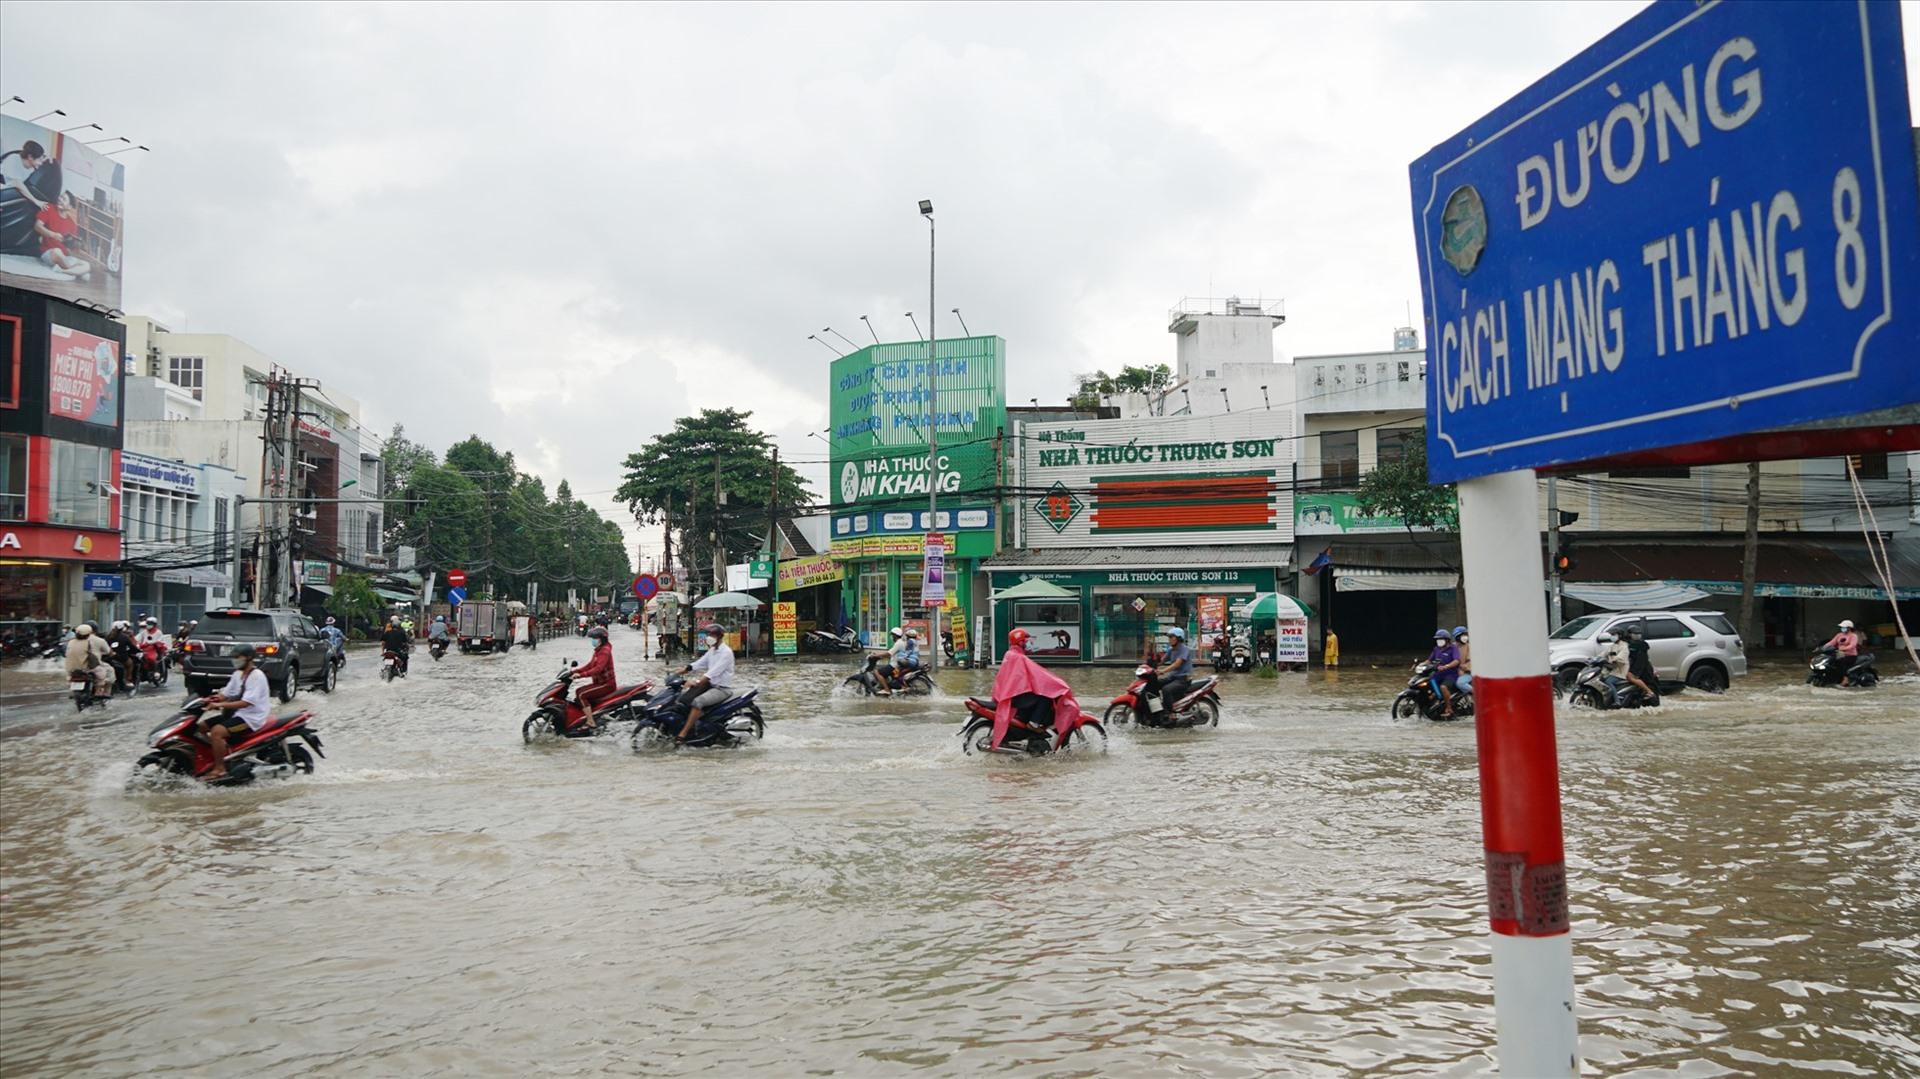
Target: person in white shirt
{"x": 714, "y": 685}
{"x": 241, "y": 707}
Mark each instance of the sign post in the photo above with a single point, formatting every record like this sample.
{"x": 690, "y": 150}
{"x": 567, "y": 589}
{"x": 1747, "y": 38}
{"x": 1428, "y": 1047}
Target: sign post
{"x": 933, "y": 591}
{"x": 1702, "y": 227}
{"x": 786, "y": 640}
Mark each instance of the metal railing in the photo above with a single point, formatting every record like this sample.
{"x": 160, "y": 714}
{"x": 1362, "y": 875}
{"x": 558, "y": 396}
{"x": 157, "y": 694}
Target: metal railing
{"x": 1190, "y": 306}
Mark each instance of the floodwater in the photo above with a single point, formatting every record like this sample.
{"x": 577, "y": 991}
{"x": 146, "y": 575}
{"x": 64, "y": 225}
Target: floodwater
{"x": 1297, "y": 892}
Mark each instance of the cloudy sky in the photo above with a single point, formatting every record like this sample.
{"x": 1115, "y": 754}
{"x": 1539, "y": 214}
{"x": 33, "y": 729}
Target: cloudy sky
{"x": 562, "y": 226}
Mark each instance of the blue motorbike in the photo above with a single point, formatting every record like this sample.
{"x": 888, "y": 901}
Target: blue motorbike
{"x": 724, "y": 726}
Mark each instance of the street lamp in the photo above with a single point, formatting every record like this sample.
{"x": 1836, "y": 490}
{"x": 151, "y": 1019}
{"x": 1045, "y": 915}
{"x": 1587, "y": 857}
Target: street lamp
{"x": 933, "y": 428}
{"x": 828, "y": 345}
{"x": 963, "y": 322}
{"x": 841, "y": 336}
{"x": 83, "y": 127}
{"x": 870, "y": 329}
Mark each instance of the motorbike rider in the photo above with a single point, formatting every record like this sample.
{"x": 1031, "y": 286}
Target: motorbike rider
{"x": 437, "y": 633}
{"x": 1173, "y": 679}
{"x": 336, "y": 640}
{"x": 88, "y": 653}
{"x": 906, "y": 655}
{"x": 1446, "y": 670}
{"x": 249, "y": 701}
{"x": 1640, "y": 664}
{"x": 151, "y": 642}
{"x": 1614, "y": 651}
{"x": 1846, "y": 647}
{"x": 398, "y": 641}
{"x": 599, "y": 668}
{"x": 886, "y": 673}
{"x": 125, "y": 654}
{"x": 186, "y": 630}
{"x": 715, "y": 684}
{"x": 1037, "y": 695}
{"x": 1464, "y": 683}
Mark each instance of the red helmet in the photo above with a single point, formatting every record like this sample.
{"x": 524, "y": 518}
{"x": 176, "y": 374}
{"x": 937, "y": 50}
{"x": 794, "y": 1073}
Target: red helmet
{"x": 1018, "y": 638}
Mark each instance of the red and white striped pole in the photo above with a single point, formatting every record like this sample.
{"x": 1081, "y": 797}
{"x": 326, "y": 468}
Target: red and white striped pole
{"x": 1519, "y": 777}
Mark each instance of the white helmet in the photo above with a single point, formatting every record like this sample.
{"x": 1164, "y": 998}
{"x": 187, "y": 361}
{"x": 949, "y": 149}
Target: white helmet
{"x": 895, "y": 631}
{"x": 1603, "y": 638}
{"x": 1846, "y": 623}
{"x": 913, "y": 634}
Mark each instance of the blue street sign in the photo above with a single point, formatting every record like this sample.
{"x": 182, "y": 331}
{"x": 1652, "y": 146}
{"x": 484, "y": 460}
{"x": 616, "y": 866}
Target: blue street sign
{"x": 102, "y": 582}
{"x": 1702, "y": 226}
{"x": 456, "y": 596}
{"x": 646, "y": 586}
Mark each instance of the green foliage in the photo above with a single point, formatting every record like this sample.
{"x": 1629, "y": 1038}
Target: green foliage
{"x": 1131, "y": 379}
{"x": 354, "y": 597}
{"x": 674, "y": 476}
{"x": 1400, "y": 489}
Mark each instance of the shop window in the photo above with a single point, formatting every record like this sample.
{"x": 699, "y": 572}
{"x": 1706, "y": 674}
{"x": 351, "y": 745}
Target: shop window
{"x": 13, "y": 477}
{"x": 1391, "y": 445}
{"x": 80, "y": 476}
{"x": 1339, "y": 458}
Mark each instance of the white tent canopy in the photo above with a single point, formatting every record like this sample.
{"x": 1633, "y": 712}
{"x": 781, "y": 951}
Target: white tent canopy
{"x": 1632, "y": 595}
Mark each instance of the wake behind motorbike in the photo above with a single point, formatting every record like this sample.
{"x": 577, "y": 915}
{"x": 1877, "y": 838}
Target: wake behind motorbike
{"x": 437, "y": 648}
{"x": 555, "y": 715}
{"x": 1088, "y": 735}
{"x": 1824, "y": 669}
{"x": 1594, "y": 688}
{"x": 916, "y": 684}
{"x": 1198, "y": 707}
{"x": 1419, "y": 698}
{"x": 724, "y": 726}
{"x": 177, "y": 747}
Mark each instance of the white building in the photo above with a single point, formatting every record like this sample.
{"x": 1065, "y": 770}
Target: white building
{"x": 1224, "y": 361}
{"x": 178, "y": 540}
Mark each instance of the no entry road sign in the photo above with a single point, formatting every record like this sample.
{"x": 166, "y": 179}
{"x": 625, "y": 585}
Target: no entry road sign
{"x": 457, "y": 577}
{"x": 646, "y": 586}
{"x": 1702, "y": 226}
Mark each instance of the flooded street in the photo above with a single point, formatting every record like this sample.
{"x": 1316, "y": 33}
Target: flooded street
{"x": 1299, "y": 891}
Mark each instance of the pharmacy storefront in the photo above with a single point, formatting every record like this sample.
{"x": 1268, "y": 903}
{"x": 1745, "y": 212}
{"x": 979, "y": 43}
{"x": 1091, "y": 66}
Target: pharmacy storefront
{"x": 882, "y": 477}
{"x": 1148, "y": 524}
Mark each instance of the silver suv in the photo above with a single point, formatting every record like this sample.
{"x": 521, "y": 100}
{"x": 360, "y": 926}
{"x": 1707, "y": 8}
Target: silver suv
{"x": 1700, "y": 648}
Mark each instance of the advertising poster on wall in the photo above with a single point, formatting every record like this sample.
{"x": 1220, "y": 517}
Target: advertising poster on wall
{"x": 1053, "y": 639}
{"x": 83, "y": 377}
{"x": 62, "y": 215}
{"x": 1290, "y": 644}
{"x": 1213, "y": 615}
{"x": 786, "y": 623}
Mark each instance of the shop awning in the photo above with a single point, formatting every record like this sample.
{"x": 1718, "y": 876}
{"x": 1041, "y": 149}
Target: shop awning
{"x": 1277, "y": 556}
{"x": 397, "y": 597}
{"x": 1834, "y": 568}
{"x": 323, "y": 589}
{"x": 1633, "y": 595}
{"x": 1368, "y": 579}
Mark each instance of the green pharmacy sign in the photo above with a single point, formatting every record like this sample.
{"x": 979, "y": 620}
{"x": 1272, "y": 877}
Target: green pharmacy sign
{"x": 1058, "y": 507}
{"x": 882, "y": 400}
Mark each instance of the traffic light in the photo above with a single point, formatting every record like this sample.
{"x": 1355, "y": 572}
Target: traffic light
{"x": 1563, "y": 560}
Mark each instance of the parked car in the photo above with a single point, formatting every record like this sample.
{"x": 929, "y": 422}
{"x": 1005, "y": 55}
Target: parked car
{"x": 1699, "y": 648}
{"x": 287, "y": 646}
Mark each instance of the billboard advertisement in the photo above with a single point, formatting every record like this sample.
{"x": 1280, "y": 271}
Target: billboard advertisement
{"x": 880, "y": 410}
{"x": 1171, "y": 482}
{"x": 83, "y": 376}
{"x": 62, "y": 215}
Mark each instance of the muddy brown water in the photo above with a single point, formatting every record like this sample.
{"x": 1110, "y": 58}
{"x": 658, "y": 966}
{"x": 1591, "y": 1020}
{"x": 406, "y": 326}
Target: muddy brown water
{"x": 1297, "y": 892}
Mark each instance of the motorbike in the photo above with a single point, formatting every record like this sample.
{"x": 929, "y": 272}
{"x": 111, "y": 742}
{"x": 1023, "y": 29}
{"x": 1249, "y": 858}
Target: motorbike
{"x": 916, "y": 684}
{"x": 177, "y": 747}
{"x": 1024, "y": 739}
{"x": 826, "y": 640}
{"x": 391, "y": 666}
{"x": 1823, "y": 669}
{"x": 554, "y": 714}
{"x": 1222, "y": 655}
{"x": 155, "y": 669}
{"x": 1419, "y": 698}
{"x": 1242, "y": 656}
{"x": 437, "y": 647}
{"x": 1594, "y": 688}
{"x": 80, "y": 688}
{"x": 1198, "y": 707}
{"x": 724, "y": 726}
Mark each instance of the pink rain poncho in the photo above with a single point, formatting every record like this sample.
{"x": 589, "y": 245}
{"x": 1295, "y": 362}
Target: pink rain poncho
{"x": 1020, "y": 674}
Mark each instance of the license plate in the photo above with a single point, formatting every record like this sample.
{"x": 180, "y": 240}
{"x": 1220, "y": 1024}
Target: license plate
{"x": 1155, "y": 704}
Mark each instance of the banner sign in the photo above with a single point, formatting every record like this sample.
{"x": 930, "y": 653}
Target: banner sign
{"x": 807, "y": 572}
{"x": 933, "y": 580}
{"x": 959, "y": 630}
{"x": 964, "y": 519}
{"x": 1169, "y": 482}
{"x": 885, "y": 547}
{"x": 879, "y": 415}
{"x": 83, "y": 376}
{"x": 1340, "y": 515}
{"x": 786, "y": 623}
{"x": 155, "y": 472}
{"x": 1213, "y": 615}
{"x": 1290, "y": 640}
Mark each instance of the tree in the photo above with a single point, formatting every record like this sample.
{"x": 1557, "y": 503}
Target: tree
{"x": 354, "y": 597}
{"x": 1131, "y": 379}
{"x": 1400, "y": 489}
{"x": 675, "y": 473}
{"x": 400, "y": 457}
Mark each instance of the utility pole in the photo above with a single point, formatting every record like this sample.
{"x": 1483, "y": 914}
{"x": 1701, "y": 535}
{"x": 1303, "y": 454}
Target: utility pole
{"x": 691, "y": 534}
{"x": 773, "y": 534}
{"x": 1750, "y": 561}
{"x": 719, "y": 546}
{"x": 666, "y": 558}
{"x": 933, "y": 436}
{"x": 1553, "y": 554}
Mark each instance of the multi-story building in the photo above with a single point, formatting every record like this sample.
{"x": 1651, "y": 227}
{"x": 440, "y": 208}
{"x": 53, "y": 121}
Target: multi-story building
{"x": 179, "y": 536}
{"x": 203, "y": 399}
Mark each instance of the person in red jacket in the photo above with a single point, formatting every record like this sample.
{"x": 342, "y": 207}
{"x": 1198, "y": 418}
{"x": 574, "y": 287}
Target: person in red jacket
{"x": 600, "y": 669}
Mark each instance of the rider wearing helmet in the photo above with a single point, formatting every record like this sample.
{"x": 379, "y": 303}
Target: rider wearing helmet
{"x": 1446, "y": 670}
{"x": 242, "y": 706}
{"x": 1173, "y": 679}
{"x": 1465, "y": 681}
{"x": 151, "y": 642}
{"x": 715, "y": 682}
{"x": 600, "y": 670}
{"x": 1640, "y": 664}
{"x": 1846, "y": 648}
{"x": 437, "y": 633}
{"x": 1615, "y": 652}
{"x": 397, "y": 640}
{"x": 1036, "y": 694}
{"x": 88, "y": 654}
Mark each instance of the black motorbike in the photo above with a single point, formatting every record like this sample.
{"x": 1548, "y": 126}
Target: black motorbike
{"x": 1825, "y": 669}
{"x": 1594, "y": 688}
{"x": 726, "y": 725}
{"x": 437, "y": 647}
{"x": 916, "y": 684}
{"x": 1419, "y": 698}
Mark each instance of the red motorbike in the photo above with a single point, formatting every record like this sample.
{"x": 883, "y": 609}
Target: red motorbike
{"x": 554, "y": 714}
{"x": 284, "y": 746}
{"x": 1023, "y": 738}
{"x": 1198, "y": 707}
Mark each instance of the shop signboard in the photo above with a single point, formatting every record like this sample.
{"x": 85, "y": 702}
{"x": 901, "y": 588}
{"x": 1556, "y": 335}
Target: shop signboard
{"x": 103, "y": 583}
{"x": 314, "y": 571}
{"x": 786, "y": 637}
{"x": 83, "y": 376}
{"x": 879, "y": 412}
{"x": 1247, "y": 579}
{"x": 964, "y": 519}
{"x": 56, "y": 543}
{"x": 1213, "y": 614}
{"x": 1290, "y": 640}
{"x": 1335, "y": 514}
{"x": 959, "y": 630}
{"x": 138, "y": 468}
{"x": 807, "y": 572}
{"x": 1174, "y": 482}
{"x": 889, "y": 547}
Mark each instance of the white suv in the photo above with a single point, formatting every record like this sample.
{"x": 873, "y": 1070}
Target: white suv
{"x": 1700, "y": 648}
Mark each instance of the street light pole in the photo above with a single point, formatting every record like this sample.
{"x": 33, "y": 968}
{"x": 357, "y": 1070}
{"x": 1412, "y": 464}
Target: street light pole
{"x": 933, "y": 439}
